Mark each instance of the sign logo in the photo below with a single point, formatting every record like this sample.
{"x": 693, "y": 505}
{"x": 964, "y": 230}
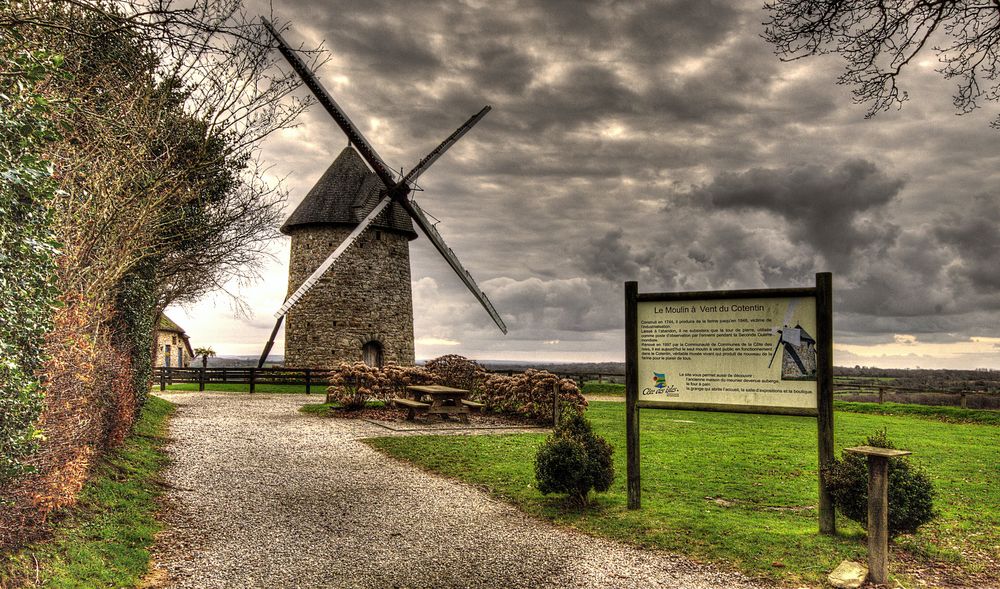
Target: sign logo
{"x": 660, "y": 386}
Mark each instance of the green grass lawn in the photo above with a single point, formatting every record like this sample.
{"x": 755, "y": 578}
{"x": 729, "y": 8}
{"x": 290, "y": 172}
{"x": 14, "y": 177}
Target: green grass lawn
{"x": 741, "y": 489}
{"x": 328, "y": 409}
{"x": 105, "y": 540}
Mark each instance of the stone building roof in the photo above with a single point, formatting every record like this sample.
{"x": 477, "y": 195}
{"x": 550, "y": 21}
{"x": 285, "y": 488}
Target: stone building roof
{"x": 167, "y": 324}
{"x": 344, "y": 195}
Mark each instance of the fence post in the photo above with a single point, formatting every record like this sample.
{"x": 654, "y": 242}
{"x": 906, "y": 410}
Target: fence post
{"x": 881, "y": 395}
{"x": 555, "y": 405}
{"x": 253, "y": 380}
{"x": 201, "y": 379}
{"x": 163, "y": 380}
{"x": 964, "y": 403}
{"x": 308, "y": 380}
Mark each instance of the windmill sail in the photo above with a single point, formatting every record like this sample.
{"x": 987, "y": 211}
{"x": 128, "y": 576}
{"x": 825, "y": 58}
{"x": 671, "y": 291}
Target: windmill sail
{"x": 432, "y": 234}
{"x": 322, "y": 268}
{"x": 395, "y": 190}
{"x": 354, "y": 134}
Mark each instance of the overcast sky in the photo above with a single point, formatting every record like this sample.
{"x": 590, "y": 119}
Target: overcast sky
{"x": 654, "y": 141}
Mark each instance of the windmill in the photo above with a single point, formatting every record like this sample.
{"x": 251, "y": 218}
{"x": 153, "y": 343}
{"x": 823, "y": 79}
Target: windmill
{"x": 396, "y": 191}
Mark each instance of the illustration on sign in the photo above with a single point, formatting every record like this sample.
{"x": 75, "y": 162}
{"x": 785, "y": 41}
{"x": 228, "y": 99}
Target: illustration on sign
{"x": 798, "y": 358}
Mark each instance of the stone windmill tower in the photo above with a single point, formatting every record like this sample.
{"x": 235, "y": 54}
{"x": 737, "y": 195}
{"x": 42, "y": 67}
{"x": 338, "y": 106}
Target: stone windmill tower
{"x": 360, "y": 217}
{"x": 364, "y": 311}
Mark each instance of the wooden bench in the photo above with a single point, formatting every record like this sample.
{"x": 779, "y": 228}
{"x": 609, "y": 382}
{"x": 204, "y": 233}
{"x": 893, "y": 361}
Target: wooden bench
{"x": 473, "y": 405}
{"x": 411, "y": 407}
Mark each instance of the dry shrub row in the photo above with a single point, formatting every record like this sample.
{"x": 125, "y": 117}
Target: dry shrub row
{"x": 529, "y": 394}
{"x": 354, "y": 385}
{"x": 89, "y": 406}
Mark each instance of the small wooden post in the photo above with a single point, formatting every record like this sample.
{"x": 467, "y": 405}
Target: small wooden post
{"x": 163, "y": 380}
{"x": 881, "y": 395}
{"x": 555, "y": 405}
{"x": 201, "y": 379}
{"x": 253, "y": 380}
{"x": 963, "y": 402}
{"x": 878, "y": 509}
{"x": 824, "y": 396}
{"x": 308, "y": 380}
{"x": 632, "y": 394}
{"x": 224, "y": 379}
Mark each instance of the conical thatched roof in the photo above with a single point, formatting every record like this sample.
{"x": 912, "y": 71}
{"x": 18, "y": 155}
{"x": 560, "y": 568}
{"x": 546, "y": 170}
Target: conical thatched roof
{"x": 344, "y": 194}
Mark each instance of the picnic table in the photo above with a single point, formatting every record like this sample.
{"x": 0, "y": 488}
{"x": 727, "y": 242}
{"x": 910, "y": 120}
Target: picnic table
{"x": 439, "y": 400}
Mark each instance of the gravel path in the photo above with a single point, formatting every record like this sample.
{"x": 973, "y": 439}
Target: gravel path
{"x": 261, "y": 495}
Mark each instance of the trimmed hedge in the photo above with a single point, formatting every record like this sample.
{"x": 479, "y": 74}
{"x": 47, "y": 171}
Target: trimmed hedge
{"x": 27, "y": 249}
{"x": 911, "y": 495}
{"x": 574, "y": 460}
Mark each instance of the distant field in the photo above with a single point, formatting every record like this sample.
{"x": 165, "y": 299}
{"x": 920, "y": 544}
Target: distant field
{"x": 741, "y": 489}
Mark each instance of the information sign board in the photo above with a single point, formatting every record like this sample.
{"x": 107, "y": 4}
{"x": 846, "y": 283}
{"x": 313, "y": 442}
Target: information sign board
{"x": 728, "y": 353}
{"x": 751, "y": 351}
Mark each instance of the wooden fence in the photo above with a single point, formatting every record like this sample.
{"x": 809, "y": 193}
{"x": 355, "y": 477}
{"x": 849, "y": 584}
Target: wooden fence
{"x": 886, "y": 391}
{"x": 310, "y": 377}
{"x": 205, "y": 377}
{"x": 252, "y": 376}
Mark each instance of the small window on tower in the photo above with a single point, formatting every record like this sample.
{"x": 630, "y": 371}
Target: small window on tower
{"x": 336, "y": 323}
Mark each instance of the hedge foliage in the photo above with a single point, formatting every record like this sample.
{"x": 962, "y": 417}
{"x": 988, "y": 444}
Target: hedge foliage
{"x": 911, "y": 495}
{"x": 354, "y": 385}
{"x": 135, "y": 325}
{"x": 574, "y": 460}
{"x": 528, "y": 394}
{"x": 27, "y": 249}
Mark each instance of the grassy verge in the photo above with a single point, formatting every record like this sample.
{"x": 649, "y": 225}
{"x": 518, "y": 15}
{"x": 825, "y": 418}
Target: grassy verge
{"x": 741, "y": 489}
{"x": 938, "y": 412}
{"x": 105, "y": 540}
{"x": 592, "y": 387}
{"x": 328, "y": 409}
{"x": 316, "y": 389}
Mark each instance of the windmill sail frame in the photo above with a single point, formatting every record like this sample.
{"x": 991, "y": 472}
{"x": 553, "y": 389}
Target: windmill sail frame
{"x": 397, "y": 191}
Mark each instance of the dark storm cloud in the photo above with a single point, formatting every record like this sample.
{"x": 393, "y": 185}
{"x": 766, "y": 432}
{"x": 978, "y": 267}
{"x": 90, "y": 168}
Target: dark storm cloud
{"x": 973, "y": 234}
{"x": 656, "y": 141}
{"x": 662, "y": 31}
{"x": 837, "y": 210}
{"x": 608, "y": 257}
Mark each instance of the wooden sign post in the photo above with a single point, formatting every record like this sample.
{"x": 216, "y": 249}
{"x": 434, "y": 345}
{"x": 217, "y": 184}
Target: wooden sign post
{"x": 743, "y": 351}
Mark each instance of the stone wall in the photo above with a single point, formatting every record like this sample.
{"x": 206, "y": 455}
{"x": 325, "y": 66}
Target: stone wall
{"x": 365, "y": 297}
{"x": 175, "y": 341}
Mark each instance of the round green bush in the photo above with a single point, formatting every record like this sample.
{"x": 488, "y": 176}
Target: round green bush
{"x": 574, "y": 460}
{"x": 911, "y": 495}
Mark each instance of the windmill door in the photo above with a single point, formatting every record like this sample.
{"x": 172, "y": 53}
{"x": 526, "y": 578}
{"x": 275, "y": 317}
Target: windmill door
{"x": 372, "y": 353}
